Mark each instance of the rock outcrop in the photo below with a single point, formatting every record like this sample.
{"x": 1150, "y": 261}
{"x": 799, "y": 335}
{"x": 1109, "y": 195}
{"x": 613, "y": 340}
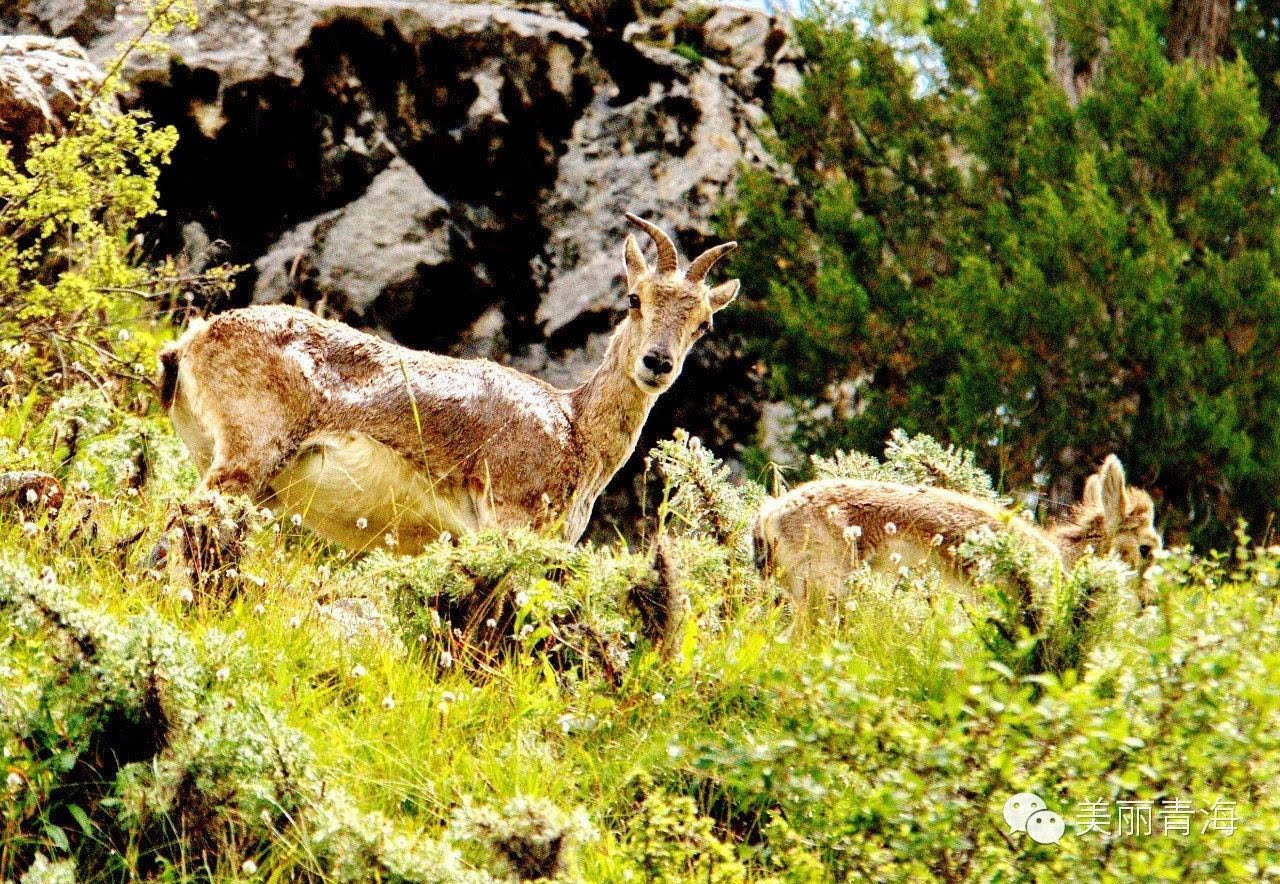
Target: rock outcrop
{"x": 453, "y": 175}
{"x": 42, "y": 82}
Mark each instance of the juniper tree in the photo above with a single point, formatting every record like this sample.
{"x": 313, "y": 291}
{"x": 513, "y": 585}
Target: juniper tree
{"x": 963, "y": 251}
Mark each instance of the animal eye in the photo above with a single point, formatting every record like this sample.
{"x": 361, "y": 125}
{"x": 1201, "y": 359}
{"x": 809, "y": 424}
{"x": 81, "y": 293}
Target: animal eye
{"x": 635, "y": 302}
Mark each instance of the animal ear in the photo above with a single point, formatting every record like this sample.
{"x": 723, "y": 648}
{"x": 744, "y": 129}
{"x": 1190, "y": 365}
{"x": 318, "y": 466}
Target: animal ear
{"x": 1092, "y": 496}
{"x": 725, "y": 292}
{"x": 1115, "y": 501}
{"x": 633, "y": 261}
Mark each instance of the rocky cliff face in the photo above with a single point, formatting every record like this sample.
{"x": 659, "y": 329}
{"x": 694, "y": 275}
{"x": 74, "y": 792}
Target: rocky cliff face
{"x": 453, "y": 175}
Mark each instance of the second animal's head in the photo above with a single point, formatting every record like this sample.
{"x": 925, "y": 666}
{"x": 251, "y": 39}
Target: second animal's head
{"x": 668, "y": 310}
{"x": 1113, "y": 517}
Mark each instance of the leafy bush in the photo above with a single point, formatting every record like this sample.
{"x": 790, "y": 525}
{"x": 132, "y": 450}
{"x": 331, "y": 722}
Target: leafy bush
{"x": 121, "y": 736}
{"x": 1179, "y": 703}
{"x": 912, "y": 460}
{"x": 74, "y": 290}
{"x": 962, "y": 251}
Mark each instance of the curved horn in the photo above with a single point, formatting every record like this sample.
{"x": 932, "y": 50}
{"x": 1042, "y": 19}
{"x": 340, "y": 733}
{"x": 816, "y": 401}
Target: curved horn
{"x": 666, "y": 248}
{"x": 704, "y": 262}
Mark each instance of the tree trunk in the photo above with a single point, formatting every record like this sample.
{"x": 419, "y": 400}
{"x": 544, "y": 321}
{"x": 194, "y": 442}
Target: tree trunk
{"x": 1198, "y": 30}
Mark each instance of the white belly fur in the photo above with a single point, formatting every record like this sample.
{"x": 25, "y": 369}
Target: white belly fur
{"x": 342, "y": 481}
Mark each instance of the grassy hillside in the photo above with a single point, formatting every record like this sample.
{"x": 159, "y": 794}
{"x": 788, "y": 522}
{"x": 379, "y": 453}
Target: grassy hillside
{"x": 507, "y": 707}
{"x": 153, "y": 729}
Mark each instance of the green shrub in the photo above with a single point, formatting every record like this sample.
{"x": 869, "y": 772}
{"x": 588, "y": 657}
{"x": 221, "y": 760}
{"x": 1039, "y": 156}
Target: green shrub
{"x": 123, "y": 744}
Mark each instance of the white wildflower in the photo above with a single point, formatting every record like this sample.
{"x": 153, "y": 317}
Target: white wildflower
{"x": 259, "y": 609}
{"x": 491, "y": 623}
{"x": 358, "y": 671}
{"x": 390, "y": 539}
{"x": 522, "y": 599}
{"x": 131, "y": 491}
{"x": 362, "y": 523}
{"x": 249, "y": 867}
{"x": 222, "y": 674}
{"x": 890, "y": 528}
{"x": 446, "y": 537}
{"x": 446, "y": 659}
{"x": 896, "y": 558}
{"x": 852, "y": 533}
{"x": 15, "y": 781}
{"x": 32, "y": 497}
{"x": 186, "y": 596}
{"x": 937, "y": 540}
{"x": 295, "y": 621}
{"x": 659, "y": 698}
{"x": 265, "y": 514}
{"x": 296, "y": 520}
{"x": 388, "y": 702}
{"x": 30, "y": 529}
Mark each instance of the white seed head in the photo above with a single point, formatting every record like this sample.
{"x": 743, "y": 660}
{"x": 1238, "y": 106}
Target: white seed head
{"x": 249, "y": 867}
{"x": 32, "y": 497}
{"x": 296, "y": 520}
{"x": 388, "y": 702}
{"x": 890, "y": 528}
{"x": 358, "y": 671}
{"x": 222, "y": 674}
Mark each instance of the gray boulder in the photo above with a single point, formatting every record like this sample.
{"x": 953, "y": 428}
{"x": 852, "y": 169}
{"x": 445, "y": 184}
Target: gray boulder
{"x": 355, "y": 258}
{"x": 42, "y": 82}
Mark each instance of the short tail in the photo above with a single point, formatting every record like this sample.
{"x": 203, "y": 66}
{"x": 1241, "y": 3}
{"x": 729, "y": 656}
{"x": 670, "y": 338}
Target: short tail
{"x": 168, "y": 375}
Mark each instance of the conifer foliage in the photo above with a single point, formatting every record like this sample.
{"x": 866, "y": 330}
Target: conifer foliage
{"x": 963, "y": 251}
